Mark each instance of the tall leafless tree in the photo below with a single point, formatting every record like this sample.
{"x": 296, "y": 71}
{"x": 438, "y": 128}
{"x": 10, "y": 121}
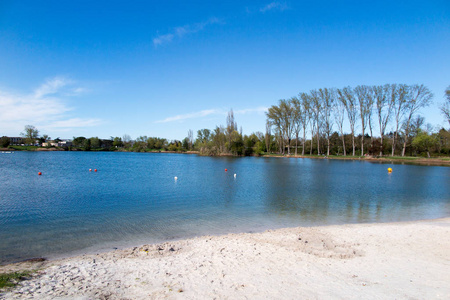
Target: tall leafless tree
{"x": 362, "y": 93}
{"x": 419, "y": 96}
{"x": 384, "y": 104}
{"x": 305, "y": 116}
{"x": 316, "y": 110}
{"x": 399, "y": 94}
{"x": 297, "y": 119}
{"x": 339, "y": 116}
{"x": 445, "y": 108}
{"x": 328, "y": 98}
{"x": 347, "y": 97}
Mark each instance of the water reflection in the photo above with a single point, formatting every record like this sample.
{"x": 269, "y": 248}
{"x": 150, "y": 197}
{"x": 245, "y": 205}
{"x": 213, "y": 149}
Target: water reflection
{"x": 133, "y": 197}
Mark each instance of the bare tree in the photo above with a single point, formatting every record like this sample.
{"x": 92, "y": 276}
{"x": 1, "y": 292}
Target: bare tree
{"x": 267, "y": 136}
{"x": 296, "y": 119}
{"x": 190, "y": 138}
{"x": 362, "y": 93}
{"x": 287, "y": 121}
{"x": 347, "y": 97}
{"x": 445, "y": 108}
{"x": 328, "y": 97}
{"x": 370, "y": 104}
{"x": 231, "y": 126}
{"x": 419, "y": 96}
{"x": 316, "y": 107}
{"x": 398, "y": 96}
{"x": 339, "y": 116}
{"x": 305, "y": 116}
{"x": 384, "y": 105}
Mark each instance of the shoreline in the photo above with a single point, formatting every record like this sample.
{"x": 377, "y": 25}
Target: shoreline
{"x": 411, "y": 160}
{"x": 369, "y": 260}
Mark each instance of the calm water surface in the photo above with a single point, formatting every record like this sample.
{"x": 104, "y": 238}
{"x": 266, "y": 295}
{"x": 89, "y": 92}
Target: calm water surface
{"x": 134, "y": 199}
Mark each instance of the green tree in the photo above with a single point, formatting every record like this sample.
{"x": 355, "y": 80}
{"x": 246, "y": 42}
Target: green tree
{"x": 87, "y": 144}
{"x": 79, "y": 141}
{"x": 30, "y": 134}
{"x": 95, "y": 142}
{"x": 4, "y": 141}
{"x": 424, "y": 141}
{"x": 117, "y": 142}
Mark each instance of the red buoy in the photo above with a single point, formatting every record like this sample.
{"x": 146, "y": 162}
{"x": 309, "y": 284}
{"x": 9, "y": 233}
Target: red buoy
{"x": 90, "y": 170}
{"x": 39, "y": 173}
{"x": 226, "y": 170}
{"x": 95, "y": 170}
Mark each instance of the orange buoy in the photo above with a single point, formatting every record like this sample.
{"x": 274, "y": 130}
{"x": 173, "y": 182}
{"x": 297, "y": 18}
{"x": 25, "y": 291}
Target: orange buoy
{"x": 226, "y": 170}
{"x": 39, "y": 173}
{"x": 95, "y": 170}
{"x": 389, "y": 170}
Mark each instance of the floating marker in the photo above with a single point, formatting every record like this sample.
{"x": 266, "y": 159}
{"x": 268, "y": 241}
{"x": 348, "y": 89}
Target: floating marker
{"x": 234, "y": 175}
{"x": 226, "y": 170}
{"x": 95, "y": 170}
{"x": 176, "y": 178}
{"x": 90, "y": 170}
{"x": 39, "y": 173}
{"x": 389, "y": 170}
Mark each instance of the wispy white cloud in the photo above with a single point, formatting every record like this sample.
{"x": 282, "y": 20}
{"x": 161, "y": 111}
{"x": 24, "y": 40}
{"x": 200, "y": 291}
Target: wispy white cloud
{"x": 46, "y": 107}
{"x": 181, "y": 31}
{"x": 51, "y": 86}
{"x": 194, "y": 115}
{"x": 208, "y": 112}
{"x": 281, "y": 6}
{"x": 162, "y": 39}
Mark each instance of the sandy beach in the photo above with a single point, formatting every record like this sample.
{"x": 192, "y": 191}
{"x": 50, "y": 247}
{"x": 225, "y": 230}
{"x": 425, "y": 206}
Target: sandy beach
{"x": 409, "y": 260}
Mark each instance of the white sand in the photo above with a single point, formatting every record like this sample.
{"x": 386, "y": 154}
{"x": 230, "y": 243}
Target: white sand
{"x": 364, "y": 261}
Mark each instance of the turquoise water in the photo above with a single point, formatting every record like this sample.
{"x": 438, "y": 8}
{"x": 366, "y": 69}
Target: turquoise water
{"x": 134, "y": 198}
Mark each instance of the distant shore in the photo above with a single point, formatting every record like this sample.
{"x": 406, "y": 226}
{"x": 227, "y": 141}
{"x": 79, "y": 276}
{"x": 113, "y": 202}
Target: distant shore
{"x": 433, "y": 161}
{"x": 358, "y": 261}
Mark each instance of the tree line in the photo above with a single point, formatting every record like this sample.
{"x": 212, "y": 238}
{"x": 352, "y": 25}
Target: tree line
{"x": 317, "y": 113}
{"x": 321, "y": 114}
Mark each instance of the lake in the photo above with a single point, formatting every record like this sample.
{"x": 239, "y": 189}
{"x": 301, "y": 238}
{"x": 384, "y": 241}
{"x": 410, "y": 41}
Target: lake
{"x": 134, "y": 198}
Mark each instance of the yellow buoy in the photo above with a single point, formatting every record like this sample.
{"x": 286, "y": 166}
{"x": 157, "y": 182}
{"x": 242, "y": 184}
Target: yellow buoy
{"x": 389, "y": 170}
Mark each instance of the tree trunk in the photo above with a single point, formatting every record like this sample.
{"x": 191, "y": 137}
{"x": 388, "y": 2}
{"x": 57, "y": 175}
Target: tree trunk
{"x": 343, "y": 145}
{"x": 296, "y": 143}
{"x": 353, "y": 141}
{"x": 303, "y": 142}
{"x": 362, "y": 144}
{"x": 318, "y": 140}
{"x": 328, "y": 145}
{"x": 406, "y": 135}
{"x": 394, "y": 140}
{"x": 381, "y": 147}
{"x": 289, "y": 146}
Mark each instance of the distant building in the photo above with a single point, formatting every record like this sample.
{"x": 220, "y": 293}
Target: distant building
{"x": 16, "y": 140}
{"x": 60, "y": 143}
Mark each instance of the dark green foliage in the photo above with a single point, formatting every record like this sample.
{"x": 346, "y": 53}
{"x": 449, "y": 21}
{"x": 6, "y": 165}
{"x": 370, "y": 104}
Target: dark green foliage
{"x": 4, "y": 141}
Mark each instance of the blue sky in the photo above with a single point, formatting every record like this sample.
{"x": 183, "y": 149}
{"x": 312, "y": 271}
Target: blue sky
{"x": 160, "y": 68}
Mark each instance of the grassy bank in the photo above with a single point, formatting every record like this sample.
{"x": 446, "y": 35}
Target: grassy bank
{"x": 439, "y": 161}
